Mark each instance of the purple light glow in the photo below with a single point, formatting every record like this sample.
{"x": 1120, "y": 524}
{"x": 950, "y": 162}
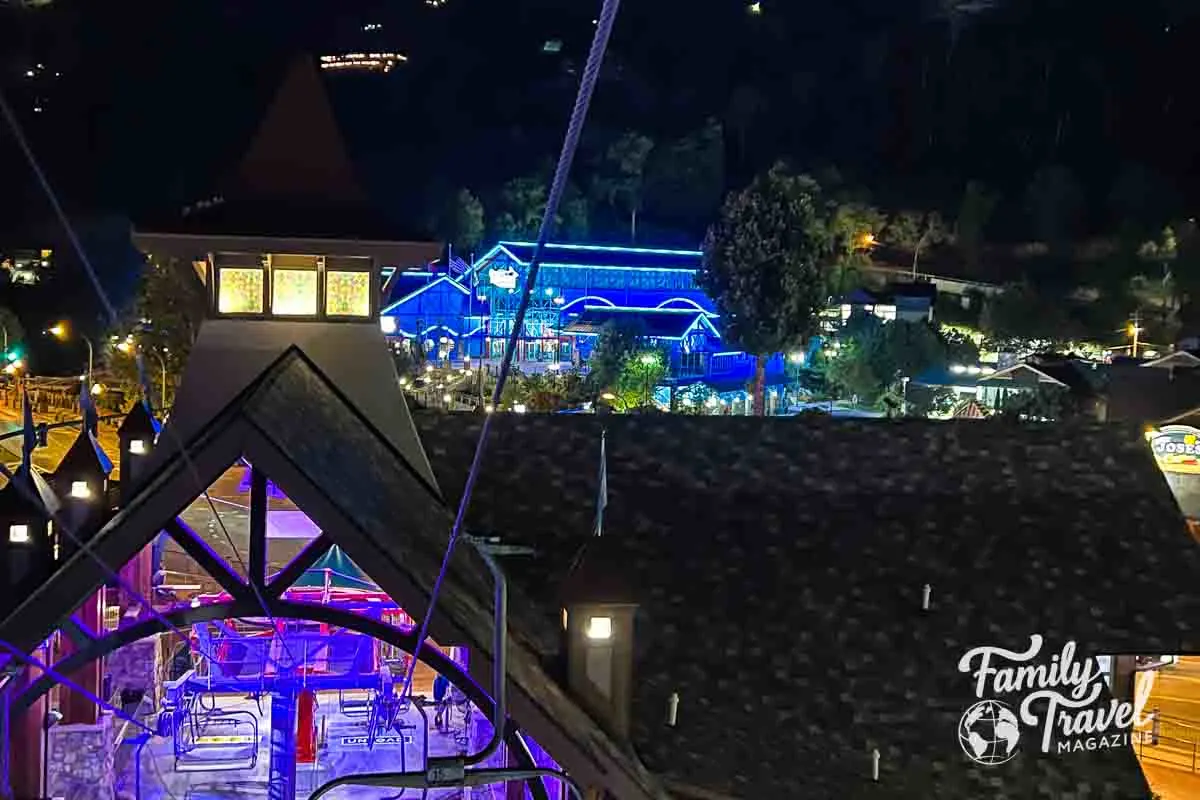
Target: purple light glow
{"x": 291, "y": 525}
{"x": 542, "y": 760}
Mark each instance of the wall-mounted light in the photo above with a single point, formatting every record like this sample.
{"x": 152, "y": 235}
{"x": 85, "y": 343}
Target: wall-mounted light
{"x": 80, "y": 490}
{"x": 387, "y": 324}
{"x": 599, "y": 629}
{"x": 137, "y": 447}
{"x": 18, "y": 534}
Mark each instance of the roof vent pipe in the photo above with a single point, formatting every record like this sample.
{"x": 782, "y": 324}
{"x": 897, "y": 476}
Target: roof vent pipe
{"x": 925, "y": 595}
{"x": 875, "y": 765}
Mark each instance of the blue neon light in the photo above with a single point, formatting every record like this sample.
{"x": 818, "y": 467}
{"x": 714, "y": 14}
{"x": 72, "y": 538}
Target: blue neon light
{"x": 589, "y": 297}
{"x": 425, "y": 288}
{"x": 613, "y": 267}
{"x": 692, "y": 302}
{"x": 501, "y": 248}
{"x": 646, "y": 310}
{"x": 609, "y": 249}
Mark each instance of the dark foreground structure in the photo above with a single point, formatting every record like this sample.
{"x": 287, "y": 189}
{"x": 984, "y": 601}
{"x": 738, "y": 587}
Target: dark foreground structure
{"x": 774, "y": 609}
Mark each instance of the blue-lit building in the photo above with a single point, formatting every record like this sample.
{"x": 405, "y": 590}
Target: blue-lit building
{"x": 467, "y": 311}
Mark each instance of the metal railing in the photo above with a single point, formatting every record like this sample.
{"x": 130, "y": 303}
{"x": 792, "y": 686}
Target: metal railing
{"x": 1169, "y": 740}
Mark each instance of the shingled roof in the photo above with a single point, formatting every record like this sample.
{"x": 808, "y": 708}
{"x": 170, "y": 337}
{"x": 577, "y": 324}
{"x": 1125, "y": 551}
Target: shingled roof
{"x": 780, "y": 565}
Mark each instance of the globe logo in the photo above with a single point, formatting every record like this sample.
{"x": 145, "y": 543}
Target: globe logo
{"x": 989, "y": 733}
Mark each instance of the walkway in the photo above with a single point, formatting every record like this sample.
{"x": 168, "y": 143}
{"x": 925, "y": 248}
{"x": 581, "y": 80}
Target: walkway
{"x": 1172, "y": 766}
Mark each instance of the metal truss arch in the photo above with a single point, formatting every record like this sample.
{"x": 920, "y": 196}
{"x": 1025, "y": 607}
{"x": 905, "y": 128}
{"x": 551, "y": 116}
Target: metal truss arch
{"x": 397, "y": 637}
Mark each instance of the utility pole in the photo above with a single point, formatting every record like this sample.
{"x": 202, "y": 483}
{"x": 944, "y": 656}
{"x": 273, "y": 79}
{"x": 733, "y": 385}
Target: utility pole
{"x": 1135, "y": 329}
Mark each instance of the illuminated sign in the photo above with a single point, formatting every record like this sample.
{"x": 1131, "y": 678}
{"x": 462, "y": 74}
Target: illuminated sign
{"x": 363, "y": 741}
{"x": 503, "y": 278}
{"x": 1176, "y": 445}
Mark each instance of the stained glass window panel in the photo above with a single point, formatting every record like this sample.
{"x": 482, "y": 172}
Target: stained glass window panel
{"x": 348, "y": 294}
{"x": 240, "y": 291}
{"x": 294, "y": 292}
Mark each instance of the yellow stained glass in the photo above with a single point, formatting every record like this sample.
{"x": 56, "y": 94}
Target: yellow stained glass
{"x": 294, "y": 292}
{"x": 240, "y": 291}
{"x": 348, "y": 294}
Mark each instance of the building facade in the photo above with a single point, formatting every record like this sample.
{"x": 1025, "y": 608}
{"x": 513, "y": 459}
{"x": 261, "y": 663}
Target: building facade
{"x": 467, "y": 311}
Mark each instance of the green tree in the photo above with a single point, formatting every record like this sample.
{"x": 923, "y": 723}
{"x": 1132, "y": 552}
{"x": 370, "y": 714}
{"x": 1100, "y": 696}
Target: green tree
{"x": 1042, "y": 403}
{"x": 1054, "y": 203}
{"x": 574, "y": 216}
{"x": 855, "y": 227}
{"x": 163, "y": 324}
{"x": 617, "y": 340}
{"x": 468, "y": 221}
{"x": 620, "y": 177}
{"x": 12, "y": 331}
{"x": 913, "y": 231}
{"x": 873, "y": 357}
{"x": 1022, "y": 319}
{"x": 522, "y": 204}
{"x": 763, "y": 267}
{"x": 642, "y": 371}
{"x": 686, "y": 177}
{"x": 974, "y": 213}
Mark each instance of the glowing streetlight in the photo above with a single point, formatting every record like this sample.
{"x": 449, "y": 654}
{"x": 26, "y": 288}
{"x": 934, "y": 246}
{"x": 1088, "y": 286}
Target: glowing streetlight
{"x": 97, "y": 389}
{"x": 61, "y": 332}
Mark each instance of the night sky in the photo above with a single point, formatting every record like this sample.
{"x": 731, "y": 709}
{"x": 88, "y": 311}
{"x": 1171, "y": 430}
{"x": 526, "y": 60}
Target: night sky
{"x": 145, "y": 104}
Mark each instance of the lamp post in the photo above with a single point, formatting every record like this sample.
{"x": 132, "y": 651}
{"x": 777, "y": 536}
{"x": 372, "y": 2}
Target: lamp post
{"x": 647, "y": 360}
{"x": 60, "y": 332}
{"x": 127, "y": 347}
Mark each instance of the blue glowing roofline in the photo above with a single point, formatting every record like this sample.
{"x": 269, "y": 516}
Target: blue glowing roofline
{"x": 610, "y": 249}
{"x": 498, "y": 248}
{"x": 647, "y": 310}
{"x": 425, "y": 288}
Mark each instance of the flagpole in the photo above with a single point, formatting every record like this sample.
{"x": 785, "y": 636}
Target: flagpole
{"x": 602, "y": 495}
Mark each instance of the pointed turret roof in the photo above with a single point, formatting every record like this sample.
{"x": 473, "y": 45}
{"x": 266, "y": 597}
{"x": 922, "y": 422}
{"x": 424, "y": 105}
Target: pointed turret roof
{"x": 298, "y": 151}
{"x": 296, "y": 178}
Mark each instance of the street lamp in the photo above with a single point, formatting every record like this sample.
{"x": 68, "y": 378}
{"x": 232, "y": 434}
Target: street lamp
{"x": 129, "y": 348}
{"x": 61, "y": 332}
{"x": 647, "y": 360}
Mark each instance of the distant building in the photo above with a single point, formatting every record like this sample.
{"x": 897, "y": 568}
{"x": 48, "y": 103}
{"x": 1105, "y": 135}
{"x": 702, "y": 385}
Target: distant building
{"x": 381, "y": 63}
{"x": 26, "y": 267}
{"x": 912, "y": 302}
{"x": 468, "y": 312}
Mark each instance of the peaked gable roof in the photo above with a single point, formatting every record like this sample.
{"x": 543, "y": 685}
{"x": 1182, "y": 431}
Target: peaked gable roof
{"x": 349, "y": 478}
{"x": 1178, "y": 359}
{"x": 779, "y": 574}
{"x": 597, "y": 256}
{"x": 430, "y": 285}
{"x": 85, "y": 456}
{"x": 229, "y": 356}
{"x": 664, "y": 323}
{"x": 296, "y": 179}
{"x": 1023, "y": 373}
{"x": 298, "y": 151}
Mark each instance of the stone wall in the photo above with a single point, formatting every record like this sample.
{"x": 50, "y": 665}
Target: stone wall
{"x": 80, "y": 761}
{"x": 134, "y": 666}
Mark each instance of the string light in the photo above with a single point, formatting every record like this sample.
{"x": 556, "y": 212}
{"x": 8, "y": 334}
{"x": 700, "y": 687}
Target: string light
{"x": 348, "y": 294}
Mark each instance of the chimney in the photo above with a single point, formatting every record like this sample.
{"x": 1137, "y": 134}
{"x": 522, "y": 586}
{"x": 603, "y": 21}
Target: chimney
{"x": 598, "y": 619}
